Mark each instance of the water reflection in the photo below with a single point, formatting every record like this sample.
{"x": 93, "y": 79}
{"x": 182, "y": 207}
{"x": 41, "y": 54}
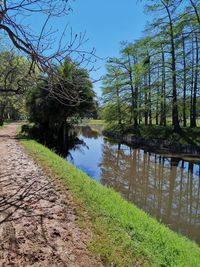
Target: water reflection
{"x": 167, "y": 188}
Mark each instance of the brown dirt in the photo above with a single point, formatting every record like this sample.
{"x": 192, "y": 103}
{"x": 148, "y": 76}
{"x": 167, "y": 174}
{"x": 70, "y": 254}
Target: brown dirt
{"x": 37, "y": 223}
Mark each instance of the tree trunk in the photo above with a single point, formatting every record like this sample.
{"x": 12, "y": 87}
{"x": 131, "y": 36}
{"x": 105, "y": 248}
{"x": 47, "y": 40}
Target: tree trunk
{"x": 133, "y": 95}
{"x": 149, "y": 88}
{"x": 184, "y": 83}
{"x": 193, "y": 122}
{"x": 2, "y": 110}
{"x": 119, "y": 108}
{"x": 175, "y": 116}
{"x": 158, "y": 95}
{"x": 196, "y": 11}
{"x": 192, "y": 85}
{"x": 146, "y": 102}
{"x": 163, "y": 92}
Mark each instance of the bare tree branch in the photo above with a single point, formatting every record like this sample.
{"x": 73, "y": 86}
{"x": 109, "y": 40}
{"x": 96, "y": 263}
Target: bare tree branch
{"x": 37, "y": 47}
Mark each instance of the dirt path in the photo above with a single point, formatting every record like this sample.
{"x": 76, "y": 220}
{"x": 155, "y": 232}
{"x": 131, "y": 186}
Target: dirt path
{"x": 37, "y": 223}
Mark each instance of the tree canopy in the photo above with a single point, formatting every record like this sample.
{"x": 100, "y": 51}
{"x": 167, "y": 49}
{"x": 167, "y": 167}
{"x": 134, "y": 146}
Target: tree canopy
{"x": 52, "y": 115}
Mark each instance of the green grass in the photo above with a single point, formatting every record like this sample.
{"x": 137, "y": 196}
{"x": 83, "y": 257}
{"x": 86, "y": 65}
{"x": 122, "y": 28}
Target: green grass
{"x": 123, "y": 235}
{"x": 94, "y": 122}
{"x": 185, "y": 136}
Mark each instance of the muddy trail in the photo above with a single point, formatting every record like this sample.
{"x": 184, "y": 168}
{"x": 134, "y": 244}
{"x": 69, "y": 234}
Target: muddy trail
{"x": 37, "y": 223}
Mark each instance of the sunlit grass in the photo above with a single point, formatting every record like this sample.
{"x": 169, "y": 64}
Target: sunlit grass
{"x": 94, "y": 122}
{"x": 123, "y": 234}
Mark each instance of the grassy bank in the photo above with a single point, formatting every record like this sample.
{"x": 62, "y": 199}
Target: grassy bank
{"x": 185, "y": 136}
{"x": 123, "y": 234}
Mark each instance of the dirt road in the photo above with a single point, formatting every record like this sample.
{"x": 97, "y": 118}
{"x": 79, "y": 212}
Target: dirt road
{"x": 37, "y": 223}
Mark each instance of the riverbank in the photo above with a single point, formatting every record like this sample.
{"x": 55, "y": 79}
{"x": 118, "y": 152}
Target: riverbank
{"x": 123, "y": 235}
{"x": 160, "y": 139}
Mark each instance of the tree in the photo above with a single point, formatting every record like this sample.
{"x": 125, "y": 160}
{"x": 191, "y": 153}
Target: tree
{"x": 159, "y": 73}
{"x": 53, "y": 116}
{"x": 37, "y": 46}
{"x": 168, "y": 8}
{"x": 112, "y": 94}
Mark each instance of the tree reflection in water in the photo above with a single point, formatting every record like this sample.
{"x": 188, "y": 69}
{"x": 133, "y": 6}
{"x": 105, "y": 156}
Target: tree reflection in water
{"x": 167, "y": 188}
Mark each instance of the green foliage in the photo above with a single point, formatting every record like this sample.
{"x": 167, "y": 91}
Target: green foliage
{"x": 14, "y": 82}
{"x": 14, "y": 72}
{"x": 51, "y": 114}
{"x": 123, "y": 235}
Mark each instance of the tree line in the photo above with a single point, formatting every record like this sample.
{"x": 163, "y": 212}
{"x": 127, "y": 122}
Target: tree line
{"x": 156, "y": 78}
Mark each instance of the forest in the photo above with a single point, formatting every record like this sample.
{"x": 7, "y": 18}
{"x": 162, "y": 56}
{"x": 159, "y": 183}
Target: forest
{"x": 155, "y": 80}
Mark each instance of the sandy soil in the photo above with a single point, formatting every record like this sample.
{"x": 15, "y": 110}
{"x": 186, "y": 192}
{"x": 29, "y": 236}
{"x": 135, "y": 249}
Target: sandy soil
{"x": 37, "y": 223}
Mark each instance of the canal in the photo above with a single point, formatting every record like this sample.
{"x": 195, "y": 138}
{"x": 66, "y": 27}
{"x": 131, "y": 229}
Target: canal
{"x": 168, "y": 188}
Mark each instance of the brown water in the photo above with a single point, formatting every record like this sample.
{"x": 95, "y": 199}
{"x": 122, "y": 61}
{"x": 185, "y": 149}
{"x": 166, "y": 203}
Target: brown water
{"x": 167, "y": 188}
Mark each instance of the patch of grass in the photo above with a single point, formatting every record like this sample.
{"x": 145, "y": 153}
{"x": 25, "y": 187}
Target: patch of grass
{"x": 123, "y": 234}
{"x": 94, "y": 122}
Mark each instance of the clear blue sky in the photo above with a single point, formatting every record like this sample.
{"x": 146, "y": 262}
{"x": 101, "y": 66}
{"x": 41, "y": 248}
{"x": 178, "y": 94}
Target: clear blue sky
{"x": 107, "y": 23}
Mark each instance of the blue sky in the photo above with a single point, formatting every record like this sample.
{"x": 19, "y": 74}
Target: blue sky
{"x": 107, "y": 23}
